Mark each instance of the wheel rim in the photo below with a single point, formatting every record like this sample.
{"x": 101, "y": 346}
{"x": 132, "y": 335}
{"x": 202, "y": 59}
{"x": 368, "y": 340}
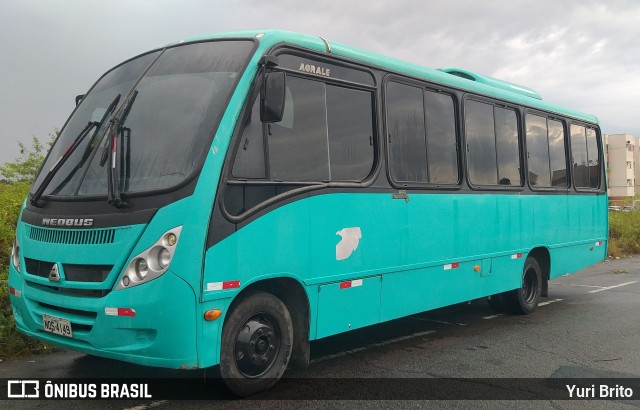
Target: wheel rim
{"x": 529, "y": 286}
{"x": 257, "y": 345}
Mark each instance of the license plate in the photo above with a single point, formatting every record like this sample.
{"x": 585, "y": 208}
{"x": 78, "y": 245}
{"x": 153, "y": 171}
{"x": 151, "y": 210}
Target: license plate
{"x": 57, "y": 325}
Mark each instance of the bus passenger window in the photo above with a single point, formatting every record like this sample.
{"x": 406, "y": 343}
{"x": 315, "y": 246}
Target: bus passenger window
{"x": 350, "y": 122}
{"x": 422, "y": 135}
{"x": 538, "y": 151}
{"x": 407, "y": 134}
{"x": 441, "y": 138}
{"x": 547, "y": 152}
{"x": 493, "y": 145}
{"x": 298, "y": 148}
{"x": 585, "y": 160}
{"x": 592, "y": 155}
{"x": 507, "y": 146}
{"x": 557, "y": 154}
{"x": 481, "y": 143}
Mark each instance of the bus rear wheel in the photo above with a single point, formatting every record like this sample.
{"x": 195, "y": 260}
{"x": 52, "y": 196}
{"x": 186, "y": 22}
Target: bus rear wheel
{"x": 525, "y": 299}
{"x": 256, "y": 346}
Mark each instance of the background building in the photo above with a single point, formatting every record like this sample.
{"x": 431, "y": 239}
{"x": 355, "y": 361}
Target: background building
{"x": 623, "y": 165}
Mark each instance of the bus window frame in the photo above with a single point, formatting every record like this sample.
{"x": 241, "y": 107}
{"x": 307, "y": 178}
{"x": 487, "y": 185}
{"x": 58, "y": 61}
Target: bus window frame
{"x": 567, "y": 144}
{"x": 599, "y": 143}
{"x": 226, "y": 175}
{"x": 430, "y": 87}
{"x": 500, "y": 104}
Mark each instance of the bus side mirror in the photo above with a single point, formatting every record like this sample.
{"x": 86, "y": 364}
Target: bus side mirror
{"x": 272, "y": 97}
{"x": 79, "y": 98}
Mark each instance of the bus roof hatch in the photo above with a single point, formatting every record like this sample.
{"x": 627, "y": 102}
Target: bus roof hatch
{"x": 492, "y": 82}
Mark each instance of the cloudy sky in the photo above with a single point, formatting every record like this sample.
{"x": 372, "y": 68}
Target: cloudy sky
{"x": 582, "y": 54}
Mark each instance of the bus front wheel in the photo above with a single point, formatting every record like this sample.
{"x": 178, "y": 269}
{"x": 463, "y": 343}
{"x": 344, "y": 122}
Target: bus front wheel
{"x": 256, "y": 344}
{"x": 525, "y": 299}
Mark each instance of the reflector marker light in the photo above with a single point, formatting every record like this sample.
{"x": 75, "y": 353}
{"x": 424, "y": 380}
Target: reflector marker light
{"x": 119, "y": 312}
{"x": 599, "y": 243}
{"x": 450, "y": 266}
{"x": 15, "y": 292}
{"x": 351, "y": 284}
{"x": 212, "y": 314}
{"x": 231, "y": 284}
{"x": 516, "y": 256}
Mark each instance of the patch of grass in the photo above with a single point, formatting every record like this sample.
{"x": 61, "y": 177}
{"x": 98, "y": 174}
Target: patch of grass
{"x": 624, "y": 233}
{"x": 620, "y": 271}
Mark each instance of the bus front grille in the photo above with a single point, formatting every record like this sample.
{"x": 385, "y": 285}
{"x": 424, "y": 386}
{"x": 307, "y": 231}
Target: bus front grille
{"x": 85, "y": 313}
{"x": 91, "y": 293}
{"x": 86, "y": 273}
{"x": 73, "y": 236}
{"x": 38, "y": 268}
{"x": 72, "y": 272}
{"x": 81, "y": 321}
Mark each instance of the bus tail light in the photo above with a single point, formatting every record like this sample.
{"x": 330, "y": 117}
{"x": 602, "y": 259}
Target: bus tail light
{"x": 151, "y": 263}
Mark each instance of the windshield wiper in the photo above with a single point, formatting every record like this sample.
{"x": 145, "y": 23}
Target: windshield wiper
{"x": 117, "y": 126}
{"x": 70, "y": 150}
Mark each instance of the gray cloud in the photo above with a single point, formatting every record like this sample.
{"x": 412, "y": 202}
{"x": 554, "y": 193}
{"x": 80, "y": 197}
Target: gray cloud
{"x": 581, "y": 54}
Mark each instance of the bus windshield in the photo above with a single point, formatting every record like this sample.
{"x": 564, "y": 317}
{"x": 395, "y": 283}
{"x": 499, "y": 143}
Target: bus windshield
{"x": 180, "y": 94}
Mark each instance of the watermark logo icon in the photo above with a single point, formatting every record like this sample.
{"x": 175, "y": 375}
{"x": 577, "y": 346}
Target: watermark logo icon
{"x": 23, "y": 389}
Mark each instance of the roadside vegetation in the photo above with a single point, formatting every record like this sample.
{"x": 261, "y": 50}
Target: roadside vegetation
{"x": 15, "y": 179}
{"x": 624, "y": 231}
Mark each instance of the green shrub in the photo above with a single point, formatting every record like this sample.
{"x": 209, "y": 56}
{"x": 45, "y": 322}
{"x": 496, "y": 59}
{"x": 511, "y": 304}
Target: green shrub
{"x": 624, "y": 233}
{"x": 16, "y": 179}
{"x": 12, "y": 343}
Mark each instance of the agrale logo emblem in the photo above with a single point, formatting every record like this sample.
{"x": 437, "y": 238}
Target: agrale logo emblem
{"x": 54, "y": 274}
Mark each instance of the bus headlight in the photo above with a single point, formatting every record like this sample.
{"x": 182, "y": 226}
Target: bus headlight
{"x": 151, "y": 263}
{"x": 15, "y": 254}
{"x": 141, "y": 268}
{"x": 164, "y": 258}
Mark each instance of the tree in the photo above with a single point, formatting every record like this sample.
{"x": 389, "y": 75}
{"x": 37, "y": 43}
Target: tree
{"x": 26, "y": 166}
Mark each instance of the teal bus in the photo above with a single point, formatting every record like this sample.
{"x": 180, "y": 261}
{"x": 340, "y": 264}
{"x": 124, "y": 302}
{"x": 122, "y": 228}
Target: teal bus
{"x": 225, "y": 200}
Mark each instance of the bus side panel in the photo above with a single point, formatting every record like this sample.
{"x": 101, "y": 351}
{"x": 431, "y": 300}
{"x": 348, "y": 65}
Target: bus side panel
{"x": 348, "y": 305}
{"x": 330, "y": 238}
{"x": 419, "y": 290}
{"x": 576, "y": 229}
{"x": 406, "y": 293}
{"x": 570, "y": 259}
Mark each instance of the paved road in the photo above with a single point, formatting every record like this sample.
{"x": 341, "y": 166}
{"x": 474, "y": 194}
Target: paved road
{"x": 589, "y": 326}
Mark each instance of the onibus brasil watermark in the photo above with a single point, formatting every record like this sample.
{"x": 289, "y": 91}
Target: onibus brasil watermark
{"x": 32, "y": 389}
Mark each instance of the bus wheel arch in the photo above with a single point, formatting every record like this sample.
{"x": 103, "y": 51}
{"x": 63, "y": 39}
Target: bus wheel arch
{"x": 292, "y": 294}
{"x": 535, "y": 274}
{"x": 542, "y": 255}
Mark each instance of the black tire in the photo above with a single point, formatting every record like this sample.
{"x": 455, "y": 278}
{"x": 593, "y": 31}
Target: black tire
{"x": 497, "y": 303}
{"x": 524, "y": 300}
{"x": 256, "y": 344}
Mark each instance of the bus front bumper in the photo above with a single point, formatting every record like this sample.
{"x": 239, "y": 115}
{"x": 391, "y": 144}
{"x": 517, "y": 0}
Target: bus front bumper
{"x": 153, "y": 324}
